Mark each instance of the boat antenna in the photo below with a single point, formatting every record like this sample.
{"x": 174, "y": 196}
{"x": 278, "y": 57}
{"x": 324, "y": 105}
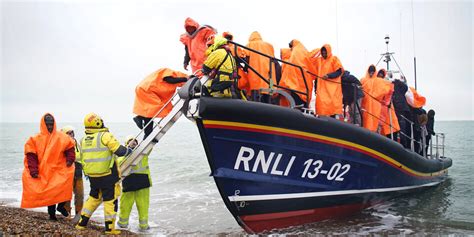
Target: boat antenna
{"x": 337, "y": 30}
{"x": 413, "y": 29}
{"x": 387, "y": 54}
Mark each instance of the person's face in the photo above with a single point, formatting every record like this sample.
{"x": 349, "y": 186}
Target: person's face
{"x": 49, "y": 121}
{"x": 133, "y": 143}
{"x": 371, "y": 71}
{"x": 380, "y": 74}
{"x": 70, "y": 133}
{"x": 190, "y": 29}
{"x": 324, "y": 53}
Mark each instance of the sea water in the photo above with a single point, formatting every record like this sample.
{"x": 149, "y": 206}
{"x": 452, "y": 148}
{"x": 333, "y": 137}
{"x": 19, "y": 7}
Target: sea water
{"x": 184, "y": 198}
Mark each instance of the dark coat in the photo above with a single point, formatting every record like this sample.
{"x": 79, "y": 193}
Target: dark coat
{"x": 398, "y": 98}
{"x": 348, "y": 82}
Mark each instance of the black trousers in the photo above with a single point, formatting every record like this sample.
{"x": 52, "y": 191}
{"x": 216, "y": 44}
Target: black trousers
{"x": 52, "y": 208}
{"x": 405, "y": 128}
{"x": 141, "y": 122}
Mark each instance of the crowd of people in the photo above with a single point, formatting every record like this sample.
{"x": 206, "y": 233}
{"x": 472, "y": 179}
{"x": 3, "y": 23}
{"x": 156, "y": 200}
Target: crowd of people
{"x": 378, "y": 101}
{"x": 55, "y": 161}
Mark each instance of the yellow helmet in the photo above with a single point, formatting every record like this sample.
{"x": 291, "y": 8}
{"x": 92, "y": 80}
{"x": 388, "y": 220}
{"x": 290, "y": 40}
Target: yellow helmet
{"x": 67, "y": 128}
{"x": 93, "y": 120}
{"x": 128, "y": 139}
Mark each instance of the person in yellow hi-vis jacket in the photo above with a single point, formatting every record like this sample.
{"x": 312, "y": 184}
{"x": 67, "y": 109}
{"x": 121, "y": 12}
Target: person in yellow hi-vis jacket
{"x": 136, "y": 189}
{"x": 221, "y": 68}
{"x": 97, "y": 149}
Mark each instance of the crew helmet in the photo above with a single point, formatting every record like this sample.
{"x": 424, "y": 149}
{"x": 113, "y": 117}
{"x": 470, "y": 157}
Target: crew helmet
{"x": 93, "y": 120}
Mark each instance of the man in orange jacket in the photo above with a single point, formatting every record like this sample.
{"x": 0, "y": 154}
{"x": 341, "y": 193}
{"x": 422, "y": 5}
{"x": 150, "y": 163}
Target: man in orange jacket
{"x": 48, "y": 175}
{"x": 261, "y": 65}
{"x": 292, "y": 77}
{"x": 329, "y": 91}
{"x": 153, "y": 93}
{"x": 194, "y": 41}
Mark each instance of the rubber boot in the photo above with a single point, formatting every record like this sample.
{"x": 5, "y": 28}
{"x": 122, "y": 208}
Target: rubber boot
{"x": 110, "y": 228}
{"x": 82, "y": 225}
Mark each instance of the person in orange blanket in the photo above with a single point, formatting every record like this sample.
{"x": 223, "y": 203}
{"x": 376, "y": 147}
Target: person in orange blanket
{"x": 261, "y": 65}
{"x": 376, "y": 92}
{"x": 194, "y": 41}
{"x": 390, "y": 124}
{"x": 49, "y": 172}
{"x": 328, "y": 88}
{"x": 292, "y": 78}
{"x": 152, "y": 93}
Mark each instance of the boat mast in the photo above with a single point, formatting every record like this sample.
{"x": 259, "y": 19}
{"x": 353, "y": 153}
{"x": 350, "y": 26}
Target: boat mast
{"x": 387, "y": 55}
{"x": 413, "y": 29}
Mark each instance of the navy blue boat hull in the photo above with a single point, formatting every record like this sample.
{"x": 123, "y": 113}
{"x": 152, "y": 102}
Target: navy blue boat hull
{"x": 276, "y": 167}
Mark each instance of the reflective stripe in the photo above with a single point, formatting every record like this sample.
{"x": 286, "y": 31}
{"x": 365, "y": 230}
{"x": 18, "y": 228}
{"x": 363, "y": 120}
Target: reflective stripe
{"x": 109, "y": 217}
{"x": 86, "y": 211}
{"x": 99, "y": 140}
{"x": 139, "y": 170}
{"x": 96, "y": 149}
{"x": 98, "y": 160}
{"x": 143, "y": 222}
{"x": 123, "y": 220}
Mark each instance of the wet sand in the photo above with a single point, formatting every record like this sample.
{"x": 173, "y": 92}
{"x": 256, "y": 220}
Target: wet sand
{"x": 17, "y": 221}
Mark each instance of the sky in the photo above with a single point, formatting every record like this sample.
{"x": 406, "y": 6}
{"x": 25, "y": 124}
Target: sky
{"x": 70, "y": 58}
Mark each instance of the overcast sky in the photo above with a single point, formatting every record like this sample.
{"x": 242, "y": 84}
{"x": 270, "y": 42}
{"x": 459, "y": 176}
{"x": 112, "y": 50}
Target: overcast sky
{"x": 72, "y": 58}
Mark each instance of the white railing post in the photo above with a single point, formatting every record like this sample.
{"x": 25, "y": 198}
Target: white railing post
{"x": 437, "y": 147}
{"x": 411, "y": 138}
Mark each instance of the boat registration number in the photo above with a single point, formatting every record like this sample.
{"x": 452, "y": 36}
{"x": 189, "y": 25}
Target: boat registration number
{"x": 272, "y": 163}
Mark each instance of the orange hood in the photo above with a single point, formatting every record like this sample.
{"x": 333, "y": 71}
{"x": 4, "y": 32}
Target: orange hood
{"x": 367, "y": 72}
{"x": 295, "y": 43}
{"x": 384, "y": 72}
{"x": 43, "y": 128}
{"x": 255, "y": 36}
{"x": 190, "y": 22}
{"x": 328, "y": 49}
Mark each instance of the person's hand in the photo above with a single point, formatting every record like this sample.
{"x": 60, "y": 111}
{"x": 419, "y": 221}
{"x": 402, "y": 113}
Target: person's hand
{"x": 34, "y": 175}
{"x": 185, "y": 66}
{"x": 69, "y": 163}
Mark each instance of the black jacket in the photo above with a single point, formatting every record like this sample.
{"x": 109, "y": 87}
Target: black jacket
{"x": 398, "y": 98}
{"x": 348, "y": 82}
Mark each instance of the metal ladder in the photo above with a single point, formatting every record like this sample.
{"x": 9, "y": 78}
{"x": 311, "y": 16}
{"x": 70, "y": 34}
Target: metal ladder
{"x": 179, "y": 101}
